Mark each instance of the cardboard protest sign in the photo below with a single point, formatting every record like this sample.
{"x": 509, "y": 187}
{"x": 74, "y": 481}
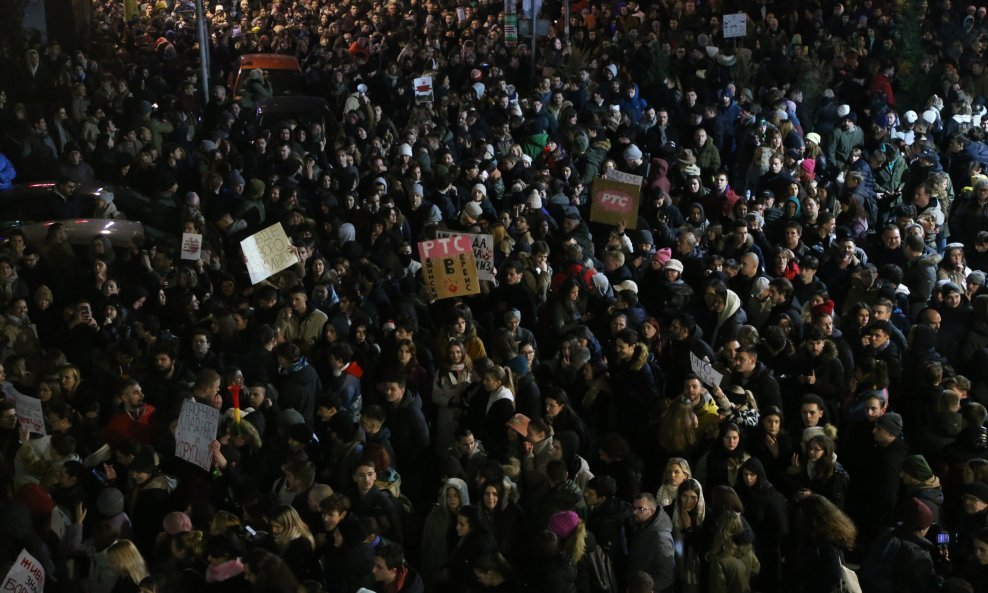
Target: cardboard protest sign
{"x": 29, "y": 413}
{"x": 268, "y": 252}
{"x": 615, "y": 199}
{"x": 191, "y": 246}
{"x": 449, "y": 267}
{"x": 483, "y": 251}
{"x": 26, "y": 575}
{"x": 706, "y": 372}
{"x": 197, "y": 425}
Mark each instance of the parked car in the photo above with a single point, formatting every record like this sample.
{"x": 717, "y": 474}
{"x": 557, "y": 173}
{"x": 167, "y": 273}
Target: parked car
{"x": 28, "y": 207}
{"x": 284, "y": 73}
{"x": 305, "y": 110}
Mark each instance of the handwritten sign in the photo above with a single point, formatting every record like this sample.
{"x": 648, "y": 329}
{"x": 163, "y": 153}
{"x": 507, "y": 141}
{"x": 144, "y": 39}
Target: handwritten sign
{"x": 735, "y": 25}
{"x": 268, "y": 252}
{"x": 29, "y": 413}
{"x": 483, "y": 251}
{"x": 614, "y": 200}
{"x": 449, "y": 267}
{"x": 196, "y": 429}
{"x": 706, "y": 372}
{"x": 25, "y": 576}
{"x": 192, "y": 246}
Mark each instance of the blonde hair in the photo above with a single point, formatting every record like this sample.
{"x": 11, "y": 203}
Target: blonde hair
{"x": 223, "y": 521}
{"x": 576, "y": 544}
{"x": 126, "y": 560}
{"x": 293, "y": 527}
{"x": 725, "y": 544}
{"x": 189, "y": 543}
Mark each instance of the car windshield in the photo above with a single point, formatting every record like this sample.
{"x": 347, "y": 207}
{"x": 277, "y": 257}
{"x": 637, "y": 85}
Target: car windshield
{"x": 283, "y": 82}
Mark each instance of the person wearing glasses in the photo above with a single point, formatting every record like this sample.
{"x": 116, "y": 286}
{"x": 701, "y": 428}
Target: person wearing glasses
{"x": 650, "y": 545}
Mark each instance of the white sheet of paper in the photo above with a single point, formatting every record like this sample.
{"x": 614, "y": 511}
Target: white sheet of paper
{"x": 706, "y": 372}
{"x": 25, "y": 575}
{"x": 191, "y": 246}
{"x": 268, "y": 252}
{"x": 29, "y": 413}
{"x": 197, "y": 424}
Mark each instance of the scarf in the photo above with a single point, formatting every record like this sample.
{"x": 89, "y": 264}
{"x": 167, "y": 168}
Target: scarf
{"x": 224, "y": 571}
{"x": 296, "y": 366}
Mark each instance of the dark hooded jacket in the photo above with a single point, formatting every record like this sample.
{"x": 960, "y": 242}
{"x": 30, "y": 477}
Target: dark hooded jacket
{"x": 767, "y": 513}
{"x": 827, "y": 369}
{"x": 640, "y": 388}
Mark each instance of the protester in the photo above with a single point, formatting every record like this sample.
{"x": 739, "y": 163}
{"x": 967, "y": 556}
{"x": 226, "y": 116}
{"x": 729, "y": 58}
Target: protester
{"x": 799, "y": 272}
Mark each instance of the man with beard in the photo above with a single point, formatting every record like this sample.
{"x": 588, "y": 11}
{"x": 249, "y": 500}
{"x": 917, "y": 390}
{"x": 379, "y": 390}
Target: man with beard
{"x": 167, "y": 376}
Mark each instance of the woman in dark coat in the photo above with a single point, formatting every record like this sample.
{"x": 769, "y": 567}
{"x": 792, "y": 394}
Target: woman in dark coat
{"x": 475, "y": 543}
{"x": 503, "y": 517}
{"x": 766, "y": 512}
{"x": 349, "y": 559}
{"x": 772, "y": 445}
{"x": 820, "y": 473}
{"x": 824, "y": 534}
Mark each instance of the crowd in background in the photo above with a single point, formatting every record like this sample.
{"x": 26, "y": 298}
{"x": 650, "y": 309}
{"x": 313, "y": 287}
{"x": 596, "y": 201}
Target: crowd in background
{"x": 776, "y": 369}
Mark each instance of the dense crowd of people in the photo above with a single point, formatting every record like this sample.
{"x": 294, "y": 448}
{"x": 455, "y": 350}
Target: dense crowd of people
{"x": 776, "y": 372}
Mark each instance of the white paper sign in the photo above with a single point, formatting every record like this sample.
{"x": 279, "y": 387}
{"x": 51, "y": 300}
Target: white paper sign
{"x": 483, "y": 251}
{"x": 706, "y": 372}
{"x": 191, "y": 246}
{"x": 29, "y": 413}
{"x": 423, "y": 87}
{"x": 735, "y": 25}
{"x": 197, "y": 425}
{"x": 25, "y": 576}
{"x": 268, "y": 252}
{"x": 622, "y": 177}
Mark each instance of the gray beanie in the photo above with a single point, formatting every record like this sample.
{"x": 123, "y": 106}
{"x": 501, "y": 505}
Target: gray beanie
{"x": 632, "y": 153}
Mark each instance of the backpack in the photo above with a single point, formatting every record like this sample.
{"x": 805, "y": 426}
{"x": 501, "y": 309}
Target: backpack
{"x": 581, "y": 273}
{"x": 600, "y": 571}
{"x": 876, "y": 569}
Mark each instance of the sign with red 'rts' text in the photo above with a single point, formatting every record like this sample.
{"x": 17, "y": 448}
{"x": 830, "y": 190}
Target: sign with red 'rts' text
{"x": 25, "y": 576}
{"x": 483, "y": 251}
{"x": 449, "y": 267}
{"x": 615, "y": 199}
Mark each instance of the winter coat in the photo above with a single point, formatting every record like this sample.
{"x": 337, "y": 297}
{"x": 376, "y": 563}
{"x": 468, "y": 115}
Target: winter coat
{"x": 637, "y": 389}
{"x": 449, "y": 386}
{"x": 303, "y": 330}
{"x": 732, "y": 574}
{"x": 409, "y": 431}
{"x": 969, "y": 217}
{"x": 438, "y": 534}
{"x": 912, "y": 568}
{"x": 297, "y": 389}
{"x": 920, "y": 275}
{"x": 762, "y": 384}
{"x": 829, "y": 373}
{"x": 650, "y": 549}
{"x": 818, "y": 567}
{"x": 766, "y": 511}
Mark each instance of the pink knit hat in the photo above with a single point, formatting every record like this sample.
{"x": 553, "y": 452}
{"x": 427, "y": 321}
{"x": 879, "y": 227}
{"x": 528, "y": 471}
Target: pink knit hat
{"x": 175, "y": 523}
{"x": 564, "y": 523}
{"x": 662, "y": 256}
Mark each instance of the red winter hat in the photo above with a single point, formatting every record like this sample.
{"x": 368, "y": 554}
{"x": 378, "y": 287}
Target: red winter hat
{"x": 824, "y": 307}
{"x": 917, "y": 516}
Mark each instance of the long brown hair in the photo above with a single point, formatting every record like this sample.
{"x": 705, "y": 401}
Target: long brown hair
{"x": 677, "y": 428}
{"x": 821, "y": 520}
